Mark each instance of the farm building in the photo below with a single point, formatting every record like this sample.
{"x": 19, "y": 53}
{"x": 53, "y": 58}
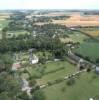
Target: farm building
{"x": 81, "y": 63}
{"x": 97, "y": 70}
{"x": 73, "y": 56}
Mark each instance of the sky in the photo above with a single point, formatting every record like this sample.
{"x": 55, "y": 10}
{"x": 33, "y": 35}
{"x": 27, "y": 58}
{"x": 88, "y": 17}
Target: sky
{"x": 49, "y": 4}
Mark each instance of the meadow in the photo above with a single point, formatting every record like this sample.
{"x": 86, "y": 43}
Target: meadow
{"x": 85, "y": 87}
{"x": 89, "y": 49}
{"x": 74, "y": 37}
{"x": 10, "y": 34}
{"x": 78, "y": 20}
{"x": 78, "y": 37}
{"x": 51, "y": 71}
{"x": 3, "y": 23}
{"x": 67, "y": 70}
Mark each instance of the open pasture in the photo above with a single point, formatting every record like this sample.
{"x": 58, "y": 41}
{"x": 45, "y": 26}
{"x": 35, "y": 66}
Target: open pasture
{"x": 85, "y": 87}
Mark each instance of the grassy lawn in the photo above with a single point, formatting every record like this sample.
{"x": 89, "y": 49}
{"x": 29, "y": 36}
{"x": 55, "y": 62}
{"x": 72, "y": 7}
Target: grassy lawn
{"x": 68, "y": 69}
{"x": 0, "y": 36}
{"x": 86, "y": 86}
{"x": 16, "y": 33}
{"x": 78, "y": 37}
{"x": 90, "y": 49}
{"x": 58, "y": 70}
{"x": 3, "y": 23}
{"x": 53, "y": 65}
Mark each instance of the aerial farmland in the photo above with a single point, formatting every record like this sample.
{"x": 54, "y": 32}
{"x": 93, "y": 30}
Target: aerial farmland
{"x": 49, "y": 54}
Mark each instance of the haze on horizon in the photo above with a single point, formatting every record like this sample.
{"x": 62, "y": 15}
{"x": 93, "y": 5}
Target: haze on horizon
{"x": 49, "y": 4}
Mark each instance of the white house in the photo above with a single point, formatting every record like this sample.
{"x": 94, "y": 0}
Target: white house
{"x": 34, "y": 59}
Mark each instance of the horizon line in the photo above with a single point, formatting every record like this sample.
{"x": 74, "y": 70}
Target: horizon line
{"x": 48, "y": 9}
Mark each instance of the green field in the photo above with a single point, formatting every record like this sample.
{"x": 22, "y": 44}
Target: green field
{"x": 68, "y": 69}
{"x": 86, "y": 86}
{"x": 89, "y": 49}
{"x": 78, "y": 37}
{"x": 51, "y": 70}
{"x": 3, "y": 23}
{"x": 16, "y": 33}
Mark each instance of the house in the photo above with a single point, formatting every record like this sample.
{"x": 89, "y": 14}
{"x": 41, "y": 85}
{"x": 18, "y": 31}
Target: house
{"x": 97, "y": 70}
{"x": 33, "y": 59}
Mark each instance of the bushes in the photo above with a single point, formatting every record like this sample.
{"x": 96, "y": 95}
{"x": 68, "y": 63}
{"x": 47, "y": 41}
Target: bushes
{"x": 63, "y": 89}
{"x": 58, "y": 80}
{"x": 70, "y": 82}
{"x": 39, "y": 95}
{"x": 49, "y": 83}
{"x": 55, "y": 81}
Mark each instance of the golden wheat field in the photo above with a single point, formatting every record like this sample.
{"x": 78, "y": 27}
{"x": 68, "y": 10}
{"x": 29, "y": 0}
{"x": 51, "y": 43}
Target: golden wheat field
{"x": 4, "y": 16}
{"x": 93, "y": 33}
{"x": 78, "y": 20}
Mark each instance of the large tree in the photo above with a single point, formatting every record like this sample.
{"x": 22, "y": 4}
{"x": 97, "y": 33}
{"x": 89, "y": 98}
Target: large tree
{"x": 39, "y": 95}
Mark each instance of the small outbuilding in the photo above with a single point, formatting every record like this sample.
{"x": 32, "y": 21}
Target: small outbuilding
{"x": 97, "y": 70}
{"x": 91, "y": 99}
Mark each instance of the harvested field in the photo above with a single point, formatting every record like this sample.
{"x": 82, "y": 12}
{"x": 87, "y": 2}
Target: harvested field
{"x": 53, "y": 14}
{"x": 4, "y": 16}
{"x": 78, "y": 20}
{"x": 93, "y": 33}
